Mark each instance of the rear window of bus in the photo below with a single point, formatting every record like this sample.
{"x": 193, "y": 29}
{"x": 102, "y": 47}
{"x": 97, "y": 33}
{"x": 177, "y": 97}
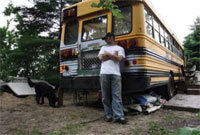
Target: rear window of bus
{"x": 124, "y": 25}
{"x": 94, "y": 28}
{"x": 71, "y": 32}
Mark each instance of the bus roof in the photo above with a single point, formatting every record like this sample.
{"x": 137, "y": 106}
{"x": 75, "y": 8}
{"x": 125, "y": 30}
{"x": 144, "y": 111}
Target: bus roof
{"x": 84, "y": 8}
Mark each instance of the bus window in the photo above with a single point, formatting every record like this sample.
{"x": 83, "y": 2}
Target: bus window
{"x": 71, "y": 32}
{"x": 149, "y": 25}
{"x": 94, "y": 28}
{"x": 156, "y": 30}
{"x": 123, "y": 26}
{"x": 170, "y": 43}
{"x": 162, "y": 36}
{"x": 167, "y": 39}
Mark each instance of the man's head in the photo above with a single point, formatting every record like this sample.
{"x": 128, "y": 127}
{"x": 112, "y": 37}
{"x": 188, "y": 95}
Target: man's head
{"x": 109, "y": 38}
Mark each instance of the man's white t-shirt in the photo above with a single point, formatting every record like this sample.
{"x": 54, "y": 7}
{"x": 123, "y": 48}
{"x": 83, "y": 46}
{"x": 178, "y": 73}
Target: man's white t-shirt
{"x": 110, "y": 66}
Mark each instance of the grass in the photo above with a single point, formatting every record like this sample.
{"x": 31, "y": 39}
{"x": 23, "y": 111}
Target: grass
{"x": 58, "y": 133}
{"x": 198, "y": 115}
{"x": 172, "y": 117}
{"x": 69, "y": 129}
{"x": 138, "y": 131}
{"x": 156, "y": 129}
{"x": 74, "y": 116}
{"x": 21, "y": 132}
{"x": 72, "y": 129}
{"x": 1, "y": 91}
{"x": 37, "y": 132}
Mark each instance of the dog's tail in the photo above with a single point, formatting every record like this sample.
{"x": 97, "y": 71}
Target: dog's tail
{"x": 30, "y": 83}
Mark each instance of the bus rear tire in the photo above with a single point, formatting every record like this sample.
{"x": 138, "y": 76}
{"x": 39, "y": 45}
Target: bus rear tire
{"x": 170, "y": 88}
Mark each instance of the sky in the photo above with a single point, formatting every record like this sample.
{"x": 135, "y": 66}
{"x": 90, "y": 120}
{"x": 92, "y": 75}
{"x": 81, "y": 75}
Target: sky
{"x": 179, "y": 15}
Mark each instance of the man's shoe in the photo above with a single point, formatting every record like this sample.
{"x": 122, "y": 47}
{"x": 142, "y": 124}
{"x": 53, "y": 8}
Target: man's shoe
{"x": 108, "y": 119}
{"x": 120, "y": 121}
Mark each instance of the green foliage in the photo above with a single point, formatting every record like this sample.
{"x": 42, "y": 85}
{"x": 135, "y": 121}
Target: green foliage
{"x": 192, "y": 45}
{"x": 187, "y": 131}
{"x": 10, "y": 9}
{"x": 8, "y": 39}
{"x": 30, "y": 52}
{"x": 35, "y": 56}
{"x": 108, "y": 4}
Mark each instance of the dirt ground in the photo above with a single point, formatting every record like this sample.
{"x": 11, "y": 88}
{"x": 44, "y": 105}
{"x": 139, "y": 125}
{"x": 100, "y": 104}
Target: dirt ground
{"x": 22, "y": 116}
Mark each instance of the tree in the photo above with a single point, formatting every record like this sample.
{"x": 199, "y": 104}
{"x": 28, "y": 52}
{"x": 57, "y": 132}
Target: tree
{"x": 34, "y": 54}
{"x": 35, "y": 50}
{"x": 192, "y": 45}
{"x": 108, "y": 4}
{"x": 7, "y": 44}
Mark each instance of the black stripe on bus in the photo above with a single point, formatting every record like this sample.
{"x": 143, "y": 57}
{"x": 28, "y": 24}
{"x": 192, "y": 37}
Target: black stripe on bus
{"x": 161, "y": 83}
{"x": 145, "y": 51}
{"x": 152, "y": 73}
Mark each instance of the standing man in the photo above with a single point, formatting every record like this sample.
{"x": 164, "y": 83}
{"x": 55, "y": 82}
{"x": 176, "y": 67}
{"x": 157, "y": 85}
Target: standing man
{"x": 110, "y": 78}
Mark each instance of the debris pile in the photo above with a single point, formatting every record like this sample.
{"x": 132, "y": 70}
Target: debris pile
{"x": 144, "y": 103}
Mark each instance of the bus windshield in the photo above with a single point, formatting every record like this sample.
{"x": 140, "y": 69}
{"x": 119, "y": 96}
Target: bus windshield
{"x": 71, "y": 32}
{"x": 94, "y": 28}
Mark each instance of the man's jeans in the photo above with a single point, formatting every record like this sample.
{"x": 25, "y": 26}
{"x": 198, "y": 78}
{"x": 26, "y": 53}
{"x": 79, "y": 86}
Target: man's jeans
{"x": 111, "y": 96}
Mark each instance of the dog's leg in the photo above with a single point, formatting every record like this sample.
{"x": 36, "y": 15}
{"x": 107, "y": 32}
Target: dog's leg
{"x": 50, "y": 104}
{"x": 37, "y": 98}
{"x": 42, "y": 100}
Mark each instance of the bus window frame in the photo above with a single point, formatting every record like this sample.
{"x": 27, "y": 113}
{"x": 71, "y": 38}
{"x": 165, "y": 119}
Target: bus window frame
{"x": 90, "y": 18}
{"x": 156, "y": 23}
{"x": 168, "y": 38}
{"x": 131, "y": 29}
{"x": 149, "y": 23}
{"x": 66, "y": 29}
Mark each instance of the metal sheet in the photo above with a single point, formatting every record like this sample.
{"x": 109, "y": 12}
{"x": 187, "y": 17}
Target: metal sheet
{"x": 184, "y": 102}
{"x": 21, "y": 88}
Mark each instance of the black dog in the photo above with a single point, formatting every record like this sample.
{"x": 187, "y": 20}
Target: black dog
{"x": 43, "y": 90}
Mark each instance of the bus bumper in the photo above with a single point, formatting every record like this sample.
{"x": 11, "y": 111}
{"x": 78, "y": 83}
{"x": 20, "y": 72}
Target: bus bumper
{"x": 130, "y": 84}
{"x": 83, "y": 83}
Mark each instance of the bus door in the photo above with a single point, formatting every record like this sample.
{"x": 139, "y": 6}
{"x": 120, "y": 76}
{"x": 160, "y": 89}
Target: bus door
{"x": 93, "y": 30}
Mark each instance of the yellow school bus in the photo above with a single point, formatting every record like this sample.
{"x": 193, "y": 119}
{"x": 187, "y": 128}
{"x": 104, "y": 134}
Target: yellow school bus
{"x": 154, "y": 55}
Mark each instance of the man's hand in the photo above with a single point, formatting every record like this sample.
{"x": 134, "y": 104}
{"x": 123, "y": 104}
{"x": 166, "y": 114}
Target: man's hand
{"x": 106, "y": 56}
{"x": 115, "y": 57}
{"x": 116, "y": 53}
{"x": 103, "y": 57}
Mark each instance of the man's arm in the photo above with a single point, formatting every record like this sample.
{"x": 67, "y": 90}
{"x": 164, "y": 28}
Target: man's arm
{"x": 103, "y": 57}
{"x": 115, "y": 57}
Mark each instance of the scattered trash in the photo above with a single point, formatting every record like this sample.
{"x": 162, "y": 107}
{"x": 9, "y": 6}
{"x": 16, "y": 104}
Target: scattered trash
{"x": 135, "y": 107}
{"x": 152, "y": 109}
{"x": 149, "y": 98}
{"x": 145, "y": 103}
